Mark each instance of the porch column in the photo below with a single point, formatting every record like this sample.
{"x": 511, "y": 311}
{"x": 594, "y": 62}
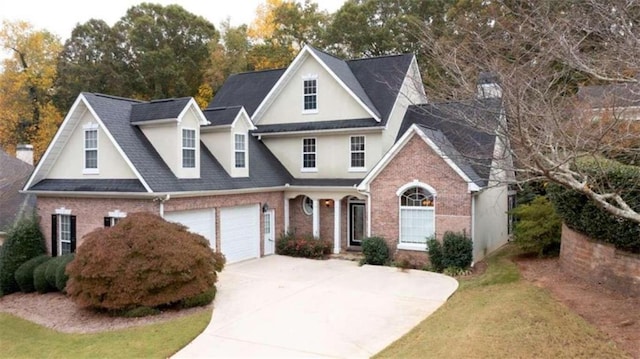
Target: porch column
{"x": 286, "y": 215}
{"x": 316, "y": 218}
{"x": 336, "y": 225}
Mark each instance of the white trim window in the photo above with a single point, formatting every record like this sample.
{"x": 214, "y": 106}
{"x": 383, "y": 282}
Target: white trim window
{"x": 357, "y": 153}
{"x": 90, "y": 149}
{"x": 417, "y": 218}
{"x": 188, "y": 148}
{"x": 309, "y": 155}
{"x": 240, "y": 150}
{"x": 64, "y": 234}
{"x": 307, "y": 206}
{"x": 310, "y": 94}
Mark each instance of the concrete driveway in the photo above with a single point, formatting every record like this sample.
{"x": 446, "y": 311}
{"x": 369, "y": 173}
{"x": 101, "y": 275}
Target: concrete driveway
{"x": 291, "y": 307}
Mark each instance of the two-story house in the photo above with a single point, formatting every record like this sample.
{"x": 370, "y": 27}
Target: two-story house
{"x": 336, "y": 149}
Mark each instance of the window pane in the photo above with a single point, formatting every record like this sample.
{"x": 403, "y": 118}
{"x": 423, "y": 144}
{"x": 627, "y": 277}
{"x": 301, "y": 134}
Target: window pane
{"x": 64, "y": 234}
{"x": 357, "y": 159}
{"x": 309, "y": 153}
{"x": 91, "y": 159}
{"x": 188, "y": 158}
{"x": 416, "y": 225}
{"x": 310, "y": 91}
{"x": 189, "y": 138}
{"x": 239, "y": 142}
{"x": 416, "y": 197}
{"x": 240, "y": 163}
{"x": 91, "y": 139}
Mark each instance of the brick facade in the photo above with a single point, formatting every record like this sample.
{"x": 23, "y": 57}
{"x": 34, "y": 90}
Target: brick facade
{"x": 600, "y": 263}
{"x": 417, "y": 161}
{"x": 302, "y": 223}
{"x": 90, "y": 212}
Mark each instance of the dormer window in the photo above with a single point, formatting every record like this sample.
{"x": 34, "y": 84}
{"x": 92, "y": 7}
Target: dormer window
{"x": 310, "y": 94}
{"x": 240, "y": 150}
{"x": 188, "y": 148}
{"x": 90, "y": 148}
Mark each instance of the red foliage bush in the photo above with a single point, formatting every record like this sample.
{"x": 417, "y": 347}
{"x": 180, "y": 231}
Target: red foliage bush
{"x": 307, "y": 247}
{"x": 142, "y": 261}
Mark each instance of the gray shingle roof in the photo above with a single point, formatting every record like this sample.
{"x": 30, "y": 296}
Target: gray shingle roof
{"x": 246, "y": 89}
{"x": 13, "y": 175}
{"x": 317, "y": 125}
{"x": 455, "y": 127}
{"x": 376, "y": 81}
{"x": 614, "y": 95}
{"x": 89, "y": 185}
{"x": 264, "y": 169}
{"x": 158, "y": 109}
{"x": 221, "y": 116}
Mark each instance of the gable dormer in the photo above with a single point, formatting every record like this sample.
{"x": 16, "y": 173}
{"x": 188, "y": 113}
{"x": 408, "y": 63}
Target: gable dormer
{"x": 173, "y": 128}
{"x": 227, "y": 138}
{"x": 315, "y": 87}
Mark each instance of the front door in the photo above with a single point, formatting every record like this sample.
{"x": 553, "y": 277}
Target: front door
{"x": 269, "y": 240}
{"x": 356, "y": 223}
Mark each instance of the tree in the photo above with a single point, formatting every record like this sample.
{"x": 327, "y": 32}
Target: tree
{"x": 92, "y": 60}
{"x": 227, "y": 57}
{"x": 281, "y": 29}
{"x": 26, "y": 111}
{"x": 542, "y": 52}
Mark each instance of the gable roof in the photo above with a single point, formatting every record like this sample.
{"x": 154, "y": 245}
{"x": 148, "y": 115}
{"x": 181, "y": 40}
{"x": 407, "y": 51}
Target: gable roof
{"x": 613, "y": 95}
{"x": 226, "y": 116}
{"x": 158, "y": 109}
{"x": 115, "y": 114}
{"x": 466, "y": 127}
{"x": 375, "y": 82}
{"x": 246, "y": 89}
{"x": 13, "y": 175}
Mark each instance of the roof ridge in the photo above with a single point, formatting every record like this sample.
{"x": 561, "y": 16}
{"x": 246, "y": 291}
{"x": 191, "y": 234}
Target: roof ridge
{"x": 380, "y": 57}
{"x": 257, "y": 71}
{"x": 169, "y": 99}
{"x": 220, "y": 108}
{"x": 115, "y": 97}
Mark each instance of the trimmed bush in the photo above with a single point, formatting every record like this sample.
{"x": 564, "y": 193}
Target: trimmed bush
{"x": 24, "y": 273}
{"x": 40, "y": 279}
{"x": 199, "y": 300}
{"x": 436, "y": 257}
{"x": 144, "y": 261}
{"x": 24, "y": 241}
{"x": 583, "y": 215}
{"x": 538, "y": 228}
{"x": 61, "y": 275}
{"x": 454, "y": 253}
{"x": 375, "y": 251}
{"x": 307, "y": 247}
{"x": 457, "y": 250}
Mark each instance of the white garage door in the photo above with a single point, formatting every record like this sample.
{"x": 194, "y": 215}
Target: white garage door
{"x": 201, "y": 221}
{"x": 240, "y": 232}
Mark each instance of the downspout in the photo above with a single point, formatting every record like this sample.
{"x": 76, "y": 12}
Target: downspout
{"x": 473, "y": 223}
{"x": 368, "y": 195}
{"x": 162, "y": 201}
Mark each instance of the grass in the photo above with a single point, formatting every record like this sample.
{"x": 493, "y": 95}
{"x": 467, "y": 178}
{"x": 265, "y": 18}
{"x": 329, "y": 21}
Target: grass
{"x": 498, "y": 315}
{"x": 23, "y": 339}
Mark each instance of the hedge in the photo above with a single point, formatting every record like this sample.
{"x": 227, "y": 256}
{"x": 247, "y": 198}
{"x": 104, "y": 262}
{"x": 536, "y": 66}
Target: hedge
{"x": 583, "y": 215}
{"x": 24, "y": 241}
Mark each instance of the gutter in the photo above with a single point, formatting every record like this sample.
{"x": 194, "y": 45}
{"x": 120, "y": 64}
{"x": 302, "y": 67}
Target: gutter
{"x": 318, "y": 132}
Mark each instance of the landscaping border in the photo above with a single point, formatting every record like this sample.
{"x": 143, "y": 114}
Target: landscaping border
{"x": 600, "y": 263}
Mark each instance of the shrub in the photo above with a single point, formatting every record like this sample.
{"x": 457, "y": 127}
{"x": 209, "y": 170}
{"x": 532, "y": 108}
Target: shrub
{"x": 24, "y": 273}
{"x": 144, "y": 261}
{"x": 375, "y": 251}
{"x": 40, "y": 279}
{"x": 307, "y": 247}
{"x": 538, "y": 227}
{"x": 24, "y": 241}
{"x": 457, "y": 250}
{"x": 453, "y": 254}
{"x": 435, "y": 254}
{"x": 583, "y": 215}
{"x": 61, "y": 275}
{"x": 199, "y": 300}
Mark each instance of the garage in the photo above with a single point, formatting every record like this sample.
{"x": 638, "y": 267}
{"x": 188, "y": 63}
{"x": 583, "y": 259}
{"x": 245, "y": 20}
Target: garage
{"x": 201, "y": 221}
{"x": 240, "y": 232}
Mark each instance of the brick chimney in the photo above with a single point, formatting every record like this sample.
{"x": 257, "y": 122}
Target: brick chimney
{"x": 25, "y": 153}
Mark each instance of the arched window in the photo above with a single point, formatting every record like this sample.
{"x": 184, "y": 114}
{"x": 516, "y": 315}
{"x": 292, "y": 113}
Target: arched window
{"x": 417, "y": 217}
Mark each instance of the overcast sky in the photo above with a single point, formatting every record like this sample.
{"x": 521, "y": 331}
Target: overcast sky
{"x": 60, "y": 17}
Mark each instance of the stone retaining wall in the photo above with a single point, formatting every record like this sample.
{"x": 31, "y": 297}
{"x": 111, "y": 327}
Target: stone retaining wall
{"x": 600, "y": 263}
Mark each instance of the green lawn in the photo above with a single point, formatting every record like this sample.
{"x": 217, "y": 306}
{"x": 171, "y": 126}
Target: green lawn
{"x": 498, "y": 315}
{"x": 22, "y": 339}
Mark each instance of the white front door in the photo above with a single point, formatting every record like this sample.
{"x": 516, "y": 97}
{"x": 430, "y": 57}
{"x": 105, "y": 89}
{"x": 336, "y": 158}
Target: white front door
{"x": 269, "y": 229}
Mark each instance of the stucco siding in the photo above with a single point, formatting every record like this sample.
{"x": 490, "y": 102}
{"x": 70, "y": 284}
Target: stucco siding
{"x": 416, "y": 161}
{"x": 334, "y": 102}
{"x": 70, "y": 163}
{"x": 333, "y": 154}
{"x": 491, "y": 221}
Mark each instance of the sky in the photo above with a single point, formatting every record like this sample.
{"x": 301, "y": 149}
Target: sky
{"x": 60, "y": 17}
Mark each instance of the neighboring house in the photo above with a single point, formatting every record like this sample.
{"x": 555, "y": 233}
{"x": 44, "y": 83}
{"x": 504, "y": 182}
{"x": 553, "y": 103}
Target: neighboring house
{"x": 14, "y": 172}
{"x": 331, "y": 148}
{"x": 620, "y": 99}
